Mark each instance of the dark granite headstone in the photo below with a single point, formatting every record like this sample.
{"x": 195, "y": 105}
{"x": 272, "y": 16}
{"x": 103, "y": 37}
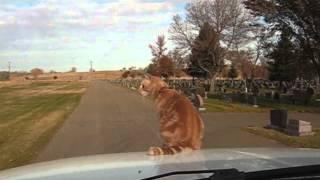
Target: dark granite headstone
{"x": 278, "y": 118}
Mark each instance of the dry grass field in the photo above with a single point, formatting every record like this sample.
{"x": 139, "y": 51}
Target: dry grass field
{"x": 30, "y": 113}
{"x": 69, "y": 76}
{"x": 32, "y": 110}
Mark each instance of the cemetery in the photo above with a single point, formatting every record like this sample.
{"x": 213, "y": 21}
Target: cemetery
{"x": 257, "y": 93}
{"x": 221, "y": 74}
{"x": 279, "y": 100}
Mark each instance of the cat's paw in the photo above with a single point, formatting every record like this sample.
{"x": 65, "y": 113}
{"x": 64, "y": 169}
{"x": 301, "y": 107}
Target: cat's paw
{"x": 154, "y": 151}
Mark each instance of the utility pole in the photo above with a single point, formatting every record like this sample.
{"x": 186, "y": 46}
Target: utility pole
{"x": 9, "y": 66}
{"x": 9, "y": 69}
{"x": 91, "y": 69}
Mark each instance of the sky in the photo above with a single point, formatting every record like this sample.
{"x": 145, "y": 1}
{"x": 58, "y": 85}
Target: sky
{"x": 60, "y": 34}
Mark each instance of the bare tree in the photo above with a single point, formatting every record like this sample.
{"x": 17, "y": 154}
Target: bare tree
{"x": 158, "y": 48}
{"x": 182, "y": 34}
{"x": 178, "y": 58}
{"x": 256, "y": 53}
{"x": 228, "y": 20}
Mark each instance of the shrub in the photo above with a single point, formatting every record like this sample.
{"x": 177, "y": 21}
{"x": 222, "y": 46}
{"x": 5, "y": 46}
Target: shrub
{"x": 36, "y": 72}
{"x": 4, "y": 76}
{"x": 125, "y": 74}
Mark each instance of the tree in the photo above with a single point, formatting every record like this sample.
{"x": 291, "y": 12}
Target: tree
{"x": 125, "y": 74}
{"x": 256, "y": 53}
{"x": 151, "y": 69}
{"x": 73, "y": 69}
{"x": 249, "y": 65}
{"x": 178, "y": 59}
{"x": 229, "y": 20}
{"x": 195, "y": 71}
{"x": 158, "y": 50}
{"x": 261, "y": 71}
{"x": 283, "y": 66}
{"x": 233, "y": 72}
{"x": 132, "y": 68}
{"x": 162, "y": 64}
{"x": 299, "y": 17}
{"x": 165, "y": 67}
{"x": 228, "y": 23}
{"x": 179, "y": 62}
{"x": 207, "y": 53}
{"x": 225, "y": 71}
{"x": 242, "y": 59}
{"x": 4, "y": 76}
{"x": 36, "y": 72}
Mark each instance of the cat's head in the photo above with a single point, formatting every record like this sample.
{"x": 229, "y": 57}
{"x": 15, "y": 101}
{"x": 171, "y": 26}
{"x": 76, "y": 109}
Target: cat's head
{"x": 151, "y": 85}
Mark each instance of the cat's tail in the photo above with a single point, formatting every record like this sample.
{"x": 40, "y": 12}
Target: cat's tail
{"x": 156, "y": 151}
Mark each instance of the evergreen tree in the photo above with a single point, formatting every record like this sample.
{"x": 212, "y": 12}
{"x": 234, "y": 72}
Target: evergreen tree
{"x": 207, "y": 55}
{"x": 206, "y": 51}
{"x": 233, "y": 73}
{"x": 300, "y": 18}
{"x": 283, "y": 66}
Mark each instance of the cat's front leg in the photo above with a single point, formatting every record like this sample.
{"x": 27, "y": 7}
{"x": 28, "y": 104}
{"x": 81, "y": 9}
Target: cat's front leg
{"x": 154, "y": 151}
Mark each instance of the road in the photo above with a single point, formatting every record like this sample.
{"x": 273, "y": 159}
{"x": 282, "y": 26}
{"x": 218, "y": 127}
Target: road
{"x": 111, "y": 119}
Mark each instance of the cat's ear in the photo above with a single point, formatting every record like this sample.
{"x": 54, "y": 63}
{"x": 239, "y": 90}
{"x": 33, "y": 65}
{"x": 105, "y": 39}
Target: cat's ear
{"x": 147, "y": 76}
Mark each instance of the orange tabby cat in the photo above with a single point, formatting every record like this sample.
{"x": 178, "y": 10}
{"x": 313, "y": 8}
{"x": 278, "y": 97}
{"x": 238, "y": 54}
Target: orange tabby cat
{"x": 180, "y": 124}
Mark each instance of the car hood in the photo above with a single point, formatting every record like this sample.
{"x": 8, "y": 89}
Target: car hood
{"x": 139, "y": 165}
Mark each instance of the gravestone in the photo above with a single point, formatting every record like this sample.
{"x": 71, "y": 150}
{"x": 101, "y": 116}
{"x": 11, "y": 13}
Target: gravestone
{"x": 255, "y": 92}
{"x": 192, "y": 96}
{"x": 278, "y": 118}
{"x": 299, "y": 128}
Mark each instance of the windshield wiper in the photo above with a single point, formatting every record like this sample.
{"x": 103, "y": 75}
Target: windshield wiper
{"x": 228, "y": 173}
{"x": 302, "y": 172}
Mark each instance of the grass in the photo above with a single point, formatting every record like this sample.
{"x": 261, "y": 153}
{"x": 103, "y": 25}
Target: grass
{"x": 217, "y": 105}
{"x": 290, "y": 107}
{"x": 73, "y": 86}
{"x": 312, "y": 141}
{"x": 30, "y": 115}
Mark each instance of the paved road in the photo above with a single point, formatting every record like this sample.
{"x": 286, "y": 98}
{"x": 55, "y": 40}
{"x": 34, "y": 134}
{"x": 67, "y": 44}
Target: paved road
{"x": 112, "y": 119}
{"x": 223, "y": 130}
{"x": 109, "y": 119}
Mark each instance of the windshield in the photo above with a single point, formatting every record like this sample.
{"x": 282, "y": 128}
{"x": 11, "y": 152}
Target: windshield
{"x": 161, "y": 77}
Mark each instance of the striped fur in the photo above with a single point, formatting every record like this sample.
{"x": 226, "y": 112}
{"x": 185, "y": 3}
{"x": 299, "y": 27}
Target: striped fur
{"x": 166, "y": 150}
{"x": 181, "y": 126}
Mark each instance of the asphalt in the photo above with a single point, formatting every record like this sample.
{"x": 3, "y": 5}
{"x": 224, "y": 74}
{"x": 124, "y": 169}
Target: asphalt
{"x": 109, "y": 119}
{"x": 112, "y": 119}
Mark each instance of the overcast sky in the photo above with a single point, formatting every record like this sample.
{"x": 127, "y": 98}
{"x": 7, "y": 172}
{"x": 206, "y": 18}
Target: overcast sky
{"x": 59, "y": 34}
